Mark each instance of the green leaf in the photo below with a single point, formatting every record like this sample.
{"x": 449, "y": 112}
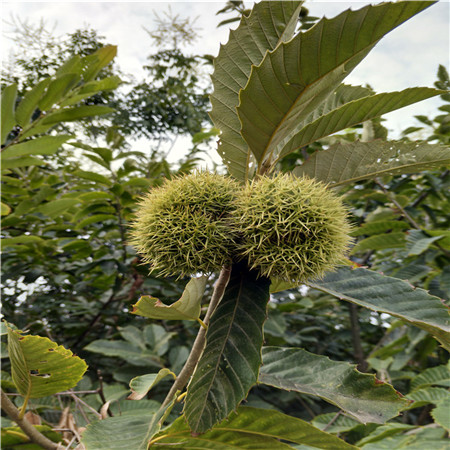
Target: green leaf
{"x": 379, "y": 227}
{"x": 249, "y": 428}
{"x": 389, "y": 295}
{"x": 441, "y": 414}
{"x": 29, "y": 103}
{"x": 57, "y": 89}
{"x": 5, "y": 209}
{"x": 360, "y": 395}
{"x": 45, "y": 145}
{"x": 230, "y": 362}
{"x": 94, "y": 219}
{"x": 333, "y": 424}
{"x": 76, "y": 113}
{"x": 92, "y": 176}
{"x": 121, "y": 349}
{"x": 268, "y": 24}
{"x": 439, "y": 375}
{"x": 353, "y": 113}
{"x": 384, "y": 431}
{"x": 293, "y": 80}
{"x": 97, "y": 61}
{"x": 8, "y": 101}
{"x": 380, "y": 242}
{"x": 418, "y": 242}
{"x": 24, "y": 239}
{"x": 21, "y": 162}
{"x": 426, "y": 396}
{"x": 186, "y": 308}
{"x": 56, "y": 207}
{"x": 40, "y": 367}
{"x": 356, "y": 161}
{"x": 142, "y": 384}
{"x": 13, "y": 438}
{"x": 72, "y": 66}
{"x": 131, "y": 431}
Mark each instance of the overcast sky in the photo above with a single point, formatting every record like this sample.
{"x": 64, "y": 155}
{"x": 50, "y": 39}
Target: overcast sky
{"x": 409, "y": 56}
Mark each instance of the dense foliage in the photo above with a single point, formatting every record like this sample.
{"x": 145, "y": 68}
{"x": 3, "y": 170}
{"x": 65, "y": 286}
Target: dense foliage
{"x": 70, "y": 276}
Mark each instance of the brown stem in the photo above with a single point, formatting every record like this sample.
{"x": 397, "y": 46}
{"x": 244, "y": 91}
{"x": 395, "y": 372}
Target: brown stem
{"x": 199, "y": 343}
{"x": 356, "y": 338}
{"x": 34, "y": 435}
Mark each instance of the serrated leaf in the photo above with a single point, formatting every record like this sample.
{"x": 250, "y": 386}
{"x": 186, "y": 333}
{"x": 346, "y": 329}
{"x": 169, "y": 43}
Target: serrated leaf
{"x": 294, "y": 79}
{"x": 76, "y": 113}
{"x": 45, "y": 145}
{"x": 230, "y": 361}
{"x": 441, "y": 414}
{"x": 359, "y": 395}
{"x": 351, "y": 162}
{"x": 188, "y": 307}
{"x": 56, "y": 207}
{"x": 418, "y": 242}
{"x": 389, "y": 295}
{"x": 426, "y": 396}
{"x": 353, "y": 113}
{"x": 250, "y": 428}
{"x": 29, "y": 103}
{"x": 98, "y": 60}
{"x": 380, "y": 242}
{"x": 268, "y": 24}
{"x": 40, "y": 367}
{"x": 142, "y": 384}
{"x": 8, "y": 101}
{"x": 439, "y": 375}
{"x": 57, "y": 89}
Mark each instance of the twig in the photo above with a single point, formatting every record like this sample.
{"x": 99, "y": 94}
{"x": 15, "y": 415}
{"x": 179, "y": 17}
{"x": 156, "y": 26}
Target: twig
{"x": 34, "y": 435}
{"x": 356, "y": 337}
{"x": 101, "y": 393}
{"x": 336, "y": 417}
{"x": 197, "y": 349}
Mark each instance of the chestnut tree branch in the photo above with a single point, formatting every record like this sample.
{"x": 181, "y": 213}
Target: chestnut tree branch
{"x": 35, "y": 436}
{"x": 199, "y": 343}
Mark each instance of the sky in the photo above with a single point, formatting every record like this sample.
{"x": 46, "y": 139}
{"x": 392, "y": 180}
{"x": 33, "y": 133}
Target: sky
{"x": 408, "y": 56}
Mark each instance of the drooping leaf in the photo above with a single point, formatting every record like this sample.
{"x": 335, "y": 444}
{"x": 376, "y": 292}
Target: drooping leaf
{"x": 8, "y": 100}
{"x": 230, "y": 362}
{"x": 269, "y": 24}
{"x": 441, "y": 414}
{"x": 351, "y": 162}
{"x": 294, "y": 79}
{"x": 94, "y": 219}
{"x": 40, "y": 367}
{"x": 44, "y": 145}
{"x": 188, "y": 307}
{"x": 21, "y": 161}
{"x": 57, "y": 89}
{"x": 389, "y": 295}
{"x": 142, "y": 384}
{"x": 355, "y": 112}
{"x": 76, "y": 113}
{"x": 92, "y": 176}
{"x": 29, "y": 103}
{"x": 23, "y": 239}
{"x": 380, "y": 242}
{"x": 359, "y": 395}
{"x": 250, "y": 428}
{"x": 439, "y": 375}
